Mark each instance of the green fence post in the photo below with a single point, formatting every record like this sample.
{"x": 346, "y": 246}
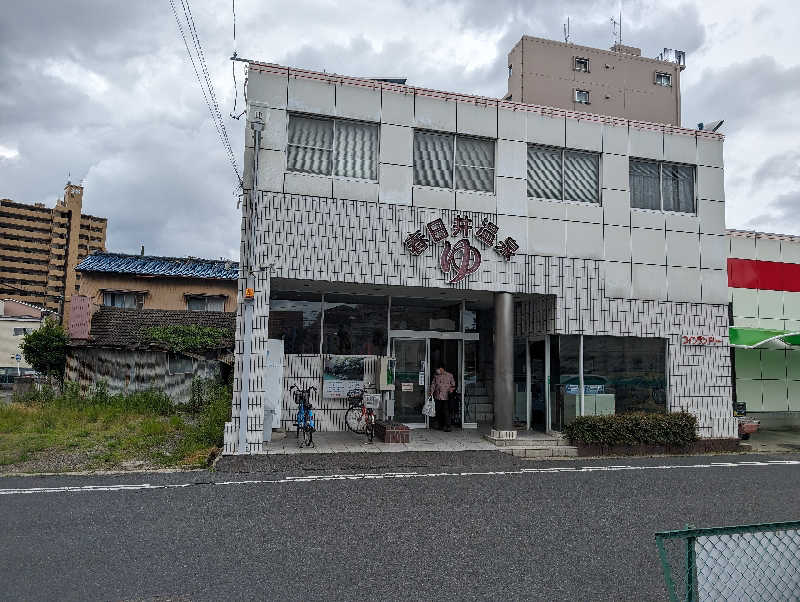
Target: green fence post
{"x": 662, "y": 553}
{"x": 691, "y": 568}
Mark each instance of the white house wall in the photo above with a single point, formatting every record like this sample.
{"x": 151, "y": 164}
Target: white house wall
{"x": 302, "y": 226}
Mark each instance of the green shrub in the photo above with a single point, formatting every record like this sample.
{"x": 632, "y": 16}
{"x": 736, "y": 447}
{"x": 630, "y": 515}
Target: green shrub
{"x": 208, "y": 431}
{"x": 45, "y": 349}
{"x": 676, "y": 429}
{"x": 180, "y": 337}
{"x": 203, "y": 392}
{"x": 151, "y": 401}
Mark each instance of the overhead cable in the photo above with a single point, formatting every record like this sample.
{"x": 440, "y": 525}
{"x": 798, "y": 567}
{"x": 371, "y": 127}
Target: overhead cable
{"x": 197, "y": 58}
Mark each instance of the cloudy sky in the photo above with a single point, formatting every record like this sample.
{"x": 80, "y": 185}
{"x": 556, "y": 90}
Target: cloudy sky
{"x": 104, "y": 91}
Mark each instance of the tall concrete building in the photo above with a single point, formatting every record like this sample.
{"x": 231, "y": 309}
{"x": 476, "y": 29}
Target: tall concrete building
{"x": 557, "y": 263}
{"x": 40, "y": 247}
{"x": 617, "y": 82}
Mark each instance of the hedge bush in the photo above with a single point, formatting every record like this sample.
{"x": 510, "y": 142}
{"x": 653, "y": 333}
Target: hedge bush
{"x": 637, "y": 428}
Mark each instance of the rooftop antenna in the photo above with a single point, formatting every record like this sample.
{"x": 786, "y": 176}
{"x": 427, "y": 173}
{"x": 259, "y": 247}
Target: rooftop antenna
{"x": 616, "y": 29}
{"x": 566, "y": 31}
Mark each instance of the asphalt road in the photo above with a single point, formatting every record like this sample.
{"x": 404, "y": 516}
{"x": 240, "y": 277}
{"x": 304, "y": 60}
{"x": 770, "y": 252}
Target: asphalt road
{"x": 567, "y": 535}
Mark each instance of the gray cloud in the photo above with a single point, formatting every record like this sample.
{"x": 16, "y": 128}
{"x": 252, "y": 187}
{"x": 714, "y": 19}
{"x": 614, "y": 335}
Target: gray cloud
{"x": 783, "y": 166}
{"x": 782, "y": 215}
{"x": 104, "y": 90}
{"x": 742, "y": 92}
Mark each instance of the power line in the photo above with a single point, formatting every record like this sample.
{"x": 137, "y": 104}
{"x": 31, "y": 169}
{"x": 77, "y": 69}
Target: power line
{"x": 209, "y": 82}
{"x": 206, "y": 84}
{"x": 233, "y": 113}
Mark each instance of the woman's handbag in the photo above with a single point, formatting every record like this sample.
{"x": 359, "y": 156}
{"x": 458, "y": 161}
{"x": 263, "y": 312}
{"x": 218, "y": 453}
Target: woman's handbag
{"x": 429, "y": 409}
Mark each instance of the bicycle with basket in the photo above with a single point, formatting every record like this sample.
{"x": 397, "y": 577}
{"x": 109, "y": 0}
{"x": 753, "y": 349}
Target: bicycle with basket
{"x": 360, "y": 416}
{"x": 305, "y": 415}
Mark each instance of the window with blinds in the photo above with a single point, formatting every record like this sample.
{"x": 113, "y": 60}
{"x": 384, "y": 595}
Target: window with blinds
{"x": 562, "y": 174}
{"x": 450, "y": 160}
{"x": 474, "y": 164}
{"x": 333, "y": 147}
{"x": 662, "y": 186}
{"x": 433, "y": 159}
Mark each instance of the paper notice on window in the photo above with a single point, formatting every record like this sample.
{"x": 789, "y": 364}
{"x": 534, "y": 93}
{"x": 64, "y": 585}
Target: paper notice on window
{"x": 407, "y": 387}
{"x": 421, "y": 379}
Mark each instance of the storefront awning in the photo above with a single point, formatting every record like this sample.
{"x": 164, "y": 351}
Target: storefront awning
{"x": 763, "y": 338}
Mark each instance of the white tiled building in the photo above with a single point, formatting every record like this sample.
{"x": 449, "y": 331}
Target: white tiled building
{"x": 620, "y": 229}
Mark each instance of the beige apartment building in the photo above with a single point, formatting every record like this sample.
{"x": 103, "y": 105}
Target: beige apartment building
{"x": 617, "y": 82}
{"x": 40, "y": 247}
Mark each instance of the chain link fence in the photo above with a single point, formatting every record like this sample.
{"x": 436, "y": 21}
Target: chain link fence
{"x": 747, "y": 562}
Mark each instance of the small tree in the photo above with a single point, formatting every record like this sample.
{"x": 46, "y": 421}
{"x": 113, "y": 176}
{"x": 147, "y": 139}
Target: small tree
{"x": 45, "y": 349}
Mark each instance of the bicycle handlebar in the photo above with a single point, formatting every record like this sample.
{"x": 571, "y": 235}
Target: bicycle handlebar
{"x": 303, "y": 391}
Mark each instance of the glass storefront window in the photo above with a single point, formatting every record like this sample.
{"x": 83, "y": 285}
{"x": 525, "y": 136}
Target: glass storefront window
{"x": 355, "y": 325}
{"x": 520, "y": 383}
{"x": 295, "y": 318}
{"x": 565, "y": 380}
{"x": 478, "y": 317}
{"x": 470, "y": 320}
{"x": 628, "y": 372}
{"x": 425, "y": 314}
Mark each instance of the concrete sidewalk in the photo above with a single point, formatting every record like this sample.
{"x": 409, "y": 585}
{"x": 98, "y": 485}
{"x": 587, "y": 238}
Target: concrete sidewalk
{"x": 421, "y": 440}
{"x": 774, "y": 441}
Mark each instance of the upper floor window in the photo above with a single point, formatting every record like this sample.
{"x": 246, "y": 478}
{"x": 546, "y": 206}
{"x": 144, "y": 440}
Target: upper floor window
{"x": 581, "y": 64}
{"x": 124, "y": 300}
{"x": 563, "y": 174}
{"x": 205, "y": 303}
{"x": 663, "y": 79}
{"x": 453, "y": 160}
{"x": 582, "y": 96}
{"x": 662, "y": 186}
{"x": 333, "y": 147}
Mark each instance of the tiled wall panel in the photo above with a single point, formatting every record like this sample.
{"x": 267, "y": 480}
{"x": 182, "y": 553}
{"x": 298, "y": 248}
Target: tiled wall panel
{"x": 362, "y": 242}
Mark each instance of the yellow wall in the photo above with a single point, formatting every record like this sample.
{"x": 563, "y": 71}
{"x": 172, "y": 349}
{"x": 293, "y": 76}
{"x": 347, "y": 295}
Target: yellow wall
{"x": 162, "y": 292}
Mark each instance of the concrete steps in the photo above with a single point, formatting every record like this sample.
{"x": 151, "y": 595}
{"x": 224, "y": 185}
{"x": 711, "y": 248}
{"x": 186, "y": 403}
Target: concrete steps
{"x": 541, "y": 451}
{"x": 535, "y": 447}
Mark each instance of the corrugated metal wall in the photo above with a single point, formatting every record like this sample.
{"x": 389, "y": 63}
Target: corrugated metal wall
{"x": 129, "y": 371}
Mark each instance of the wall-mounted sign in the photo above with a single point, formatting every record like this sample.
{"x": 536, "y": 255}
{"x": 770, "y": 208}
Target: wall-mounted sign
{"x": 341, "y": 374}
{"x": 699, "y": 340}
{"x": 407, "y": 387}
{"x": 460, "y": 259}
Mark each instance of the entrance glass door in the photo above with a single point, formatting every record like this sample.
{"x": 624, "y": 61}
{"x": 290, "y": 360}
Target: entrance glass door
{"x": 538, "y": 382}
{"x": 410, "y": 380}
{"x": 446, "y": 353}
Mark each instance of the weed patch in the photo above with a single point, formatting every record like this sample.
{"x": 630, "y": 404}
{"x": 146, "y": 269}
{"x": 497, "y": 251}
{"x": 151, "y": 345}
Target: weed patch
{"x": 102, "y": 430}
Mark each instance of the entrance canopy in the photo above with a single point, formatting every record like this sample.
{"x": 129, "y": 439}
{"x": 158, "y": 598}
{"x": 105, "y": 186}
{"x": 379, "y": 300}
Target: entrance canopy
{"x": 763, "y": 338}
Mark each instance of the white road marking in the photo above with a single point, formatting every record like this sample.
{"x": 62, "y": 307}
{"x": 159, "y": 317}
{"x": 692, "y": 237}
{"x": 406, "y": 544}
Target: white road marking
{"x": 394, "y": 475}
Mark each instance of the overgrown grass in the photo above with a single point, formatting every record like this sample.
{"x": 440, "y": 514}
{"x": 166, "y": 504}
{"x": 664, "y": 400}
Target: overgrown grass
{"x": 71, "y": 431}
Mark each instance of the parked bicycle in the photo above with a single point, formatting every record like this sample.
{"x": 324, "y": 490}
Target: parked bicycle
{"x": 360, "y": 418}
{"x": 305, "y": 415}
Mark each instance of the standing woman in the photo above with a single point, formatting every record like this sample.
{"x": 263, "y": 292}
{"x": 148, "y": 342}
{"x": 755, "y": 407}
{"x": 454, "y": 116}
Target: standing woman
{"x": 442, "y": 385}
